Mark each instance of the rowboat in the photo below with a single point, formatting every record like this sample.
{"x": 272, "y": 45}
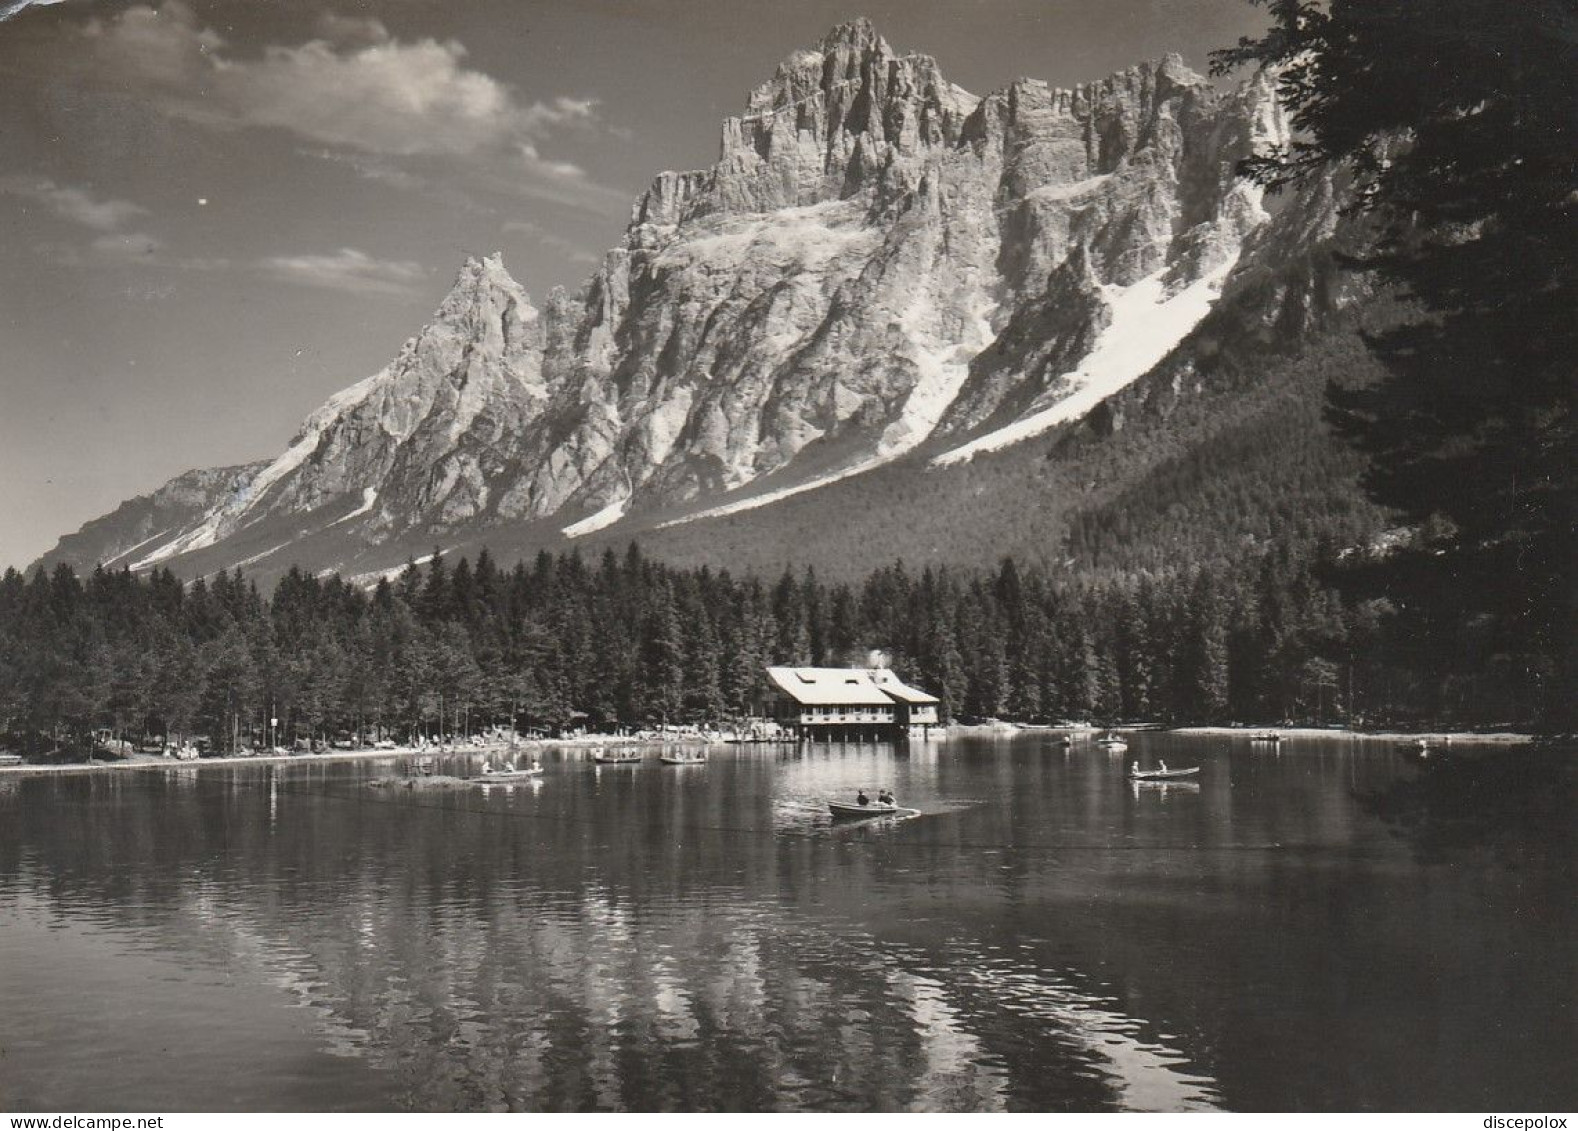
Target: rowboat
{"x": 683, "y": 759}
{"x": 841, "y": 811}
{"x": 1266, "y": 736}
{"x": 1163, "y": 775}
{"x": 512, "y": 775}
{"x": 615, "y": 759}
{"x": 1112, "y": 742}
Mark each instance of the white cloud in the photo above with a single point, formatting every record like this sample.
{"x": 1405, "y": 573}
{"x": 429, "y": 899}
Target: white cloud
{"x": 354, "y": 86}
{"x": 346, "y": 270}
{"x": 72, "y": 203}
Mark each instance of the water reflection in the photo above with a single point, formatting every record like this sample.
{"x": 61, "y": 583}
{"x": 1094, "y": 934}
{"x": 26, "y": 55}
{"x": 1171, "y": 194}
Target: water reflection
{"x": 1044, "y": 936}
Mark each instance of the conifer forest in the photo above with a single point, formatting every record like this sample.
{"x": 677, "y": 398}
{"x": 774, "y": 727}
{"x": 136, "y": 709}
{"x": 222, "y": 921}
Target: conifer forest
{"x": 457, "y": 646}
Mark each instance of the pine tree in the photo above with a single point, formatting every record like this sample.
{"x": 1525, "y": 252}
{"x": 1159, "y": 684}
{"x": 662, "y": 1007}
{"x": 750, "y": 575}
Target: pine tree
{"x": 1454, "y": 119}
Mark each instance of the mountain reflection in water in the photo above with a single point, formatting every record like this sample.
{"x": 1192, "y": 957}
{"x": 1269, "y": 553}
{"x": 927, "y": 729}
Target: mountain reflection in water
{"x": 1046, "y": 936}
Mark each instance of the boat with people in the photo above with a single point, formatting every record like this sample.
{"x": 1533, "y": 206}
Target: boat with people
{"x": 841, "y": 811}
{"x": 1111, "y": 741}
{"x": 695, "y": 759}
{"x": 621, "y": 757}
{"x": 1266, "y": 736}
{"x": 1162, "y": 774}
{"x": 510, "y": 772}
{"x": 885, "y": 805}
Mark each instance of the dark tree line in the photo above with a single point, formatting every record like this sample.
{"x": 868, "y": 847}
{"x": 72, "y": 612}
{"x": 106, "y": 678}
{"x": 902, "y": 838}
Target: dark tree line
{"x": 1455, "y": 120}
{"x": 450, "y": 647}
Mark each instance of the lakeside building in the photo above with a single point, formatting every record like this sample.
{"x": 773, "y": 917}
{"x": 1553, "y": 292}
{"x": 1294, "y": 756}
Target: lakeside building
{"x": 849, "y": 704}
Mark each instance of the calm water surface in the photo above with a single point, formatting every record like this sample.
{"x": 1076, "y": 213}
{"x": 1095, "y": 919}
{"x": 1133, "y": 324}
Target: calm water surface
{"x": 1325, "y": 926}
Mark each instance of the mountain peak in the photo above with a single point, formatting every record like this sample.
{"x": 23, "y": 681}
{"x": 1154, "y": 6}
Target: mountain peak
{"x": 859, "y": 34}
{"x": 486, "y": 270}
{"x": 483, "y": 281}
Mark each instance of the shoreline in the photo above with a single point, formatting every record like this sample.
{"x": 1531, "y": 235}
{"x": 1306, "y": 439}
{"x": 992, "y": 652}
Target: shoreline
{"x": 1465, "y": 737}
{"x": 156, "y": 762}
{"x": 539, "y": 745}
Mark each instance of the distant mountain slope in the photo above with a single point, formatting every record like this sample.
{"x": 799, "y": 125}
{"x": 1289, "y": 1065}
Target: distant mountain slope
{"x": 885, "y": 293}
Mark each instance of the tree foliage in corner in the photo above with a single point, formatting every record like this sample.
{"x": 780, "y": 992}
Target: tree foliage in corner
{"x": 1458, "y": 120}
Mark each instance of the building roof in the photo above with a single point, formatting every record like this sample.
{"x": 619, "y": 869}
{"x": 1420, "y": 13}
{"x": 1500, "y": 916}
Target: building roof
{"x": 854, "y": 687}
{"x": 902, "y": 691}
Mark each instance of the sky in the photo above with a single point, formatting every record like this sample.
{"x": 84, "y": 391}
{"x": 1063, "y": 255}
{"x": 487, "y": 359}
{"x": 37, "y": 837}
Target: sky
{"x": 214, "y": 214}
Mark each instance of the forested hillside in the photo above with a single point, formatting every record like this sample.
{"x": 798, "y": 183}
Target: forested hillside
{"x": 455, "y": 645}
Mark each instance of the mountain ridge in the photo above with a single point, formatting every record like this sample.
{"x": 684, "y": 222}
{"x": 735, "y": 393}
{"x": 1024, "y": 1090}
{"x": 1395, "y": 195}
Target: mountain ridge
{"x": 879, "y": 267}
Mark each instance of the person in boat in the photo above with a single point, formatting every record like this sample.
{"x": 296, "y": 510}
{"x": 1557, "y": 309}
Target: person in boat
{"x": 1162, "y": 764}
{"x": 861, "y": 798}
{"x": 487, "y": 766}
{"x": 884, "y": 797}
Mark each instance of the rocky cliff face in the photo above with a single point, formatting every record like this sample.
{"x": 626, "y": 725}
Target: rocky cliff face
{"x": 878, "y": 264}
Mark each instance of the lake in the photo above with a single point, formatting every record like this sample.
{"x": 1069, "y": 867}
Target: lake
{"x": 1328, "y": 925}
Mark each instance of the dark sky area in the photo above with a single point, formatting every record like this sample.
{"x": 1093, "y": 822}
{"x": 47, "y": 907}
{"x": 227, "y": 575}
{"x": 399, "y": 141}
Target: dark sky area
{"x": 213, "y": 215}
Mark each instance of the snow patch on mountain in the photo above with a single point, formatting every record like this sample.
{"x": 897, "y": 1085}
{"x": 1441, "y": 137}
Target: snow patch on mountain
{"x": 130, "y": 550}
{"x": 942, "y": 372}
{"x": 781, "y": 493}
{"x": 369, "y": 499}
{"x": 1147, "y": 324}
{"x": 592, "y": 523}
